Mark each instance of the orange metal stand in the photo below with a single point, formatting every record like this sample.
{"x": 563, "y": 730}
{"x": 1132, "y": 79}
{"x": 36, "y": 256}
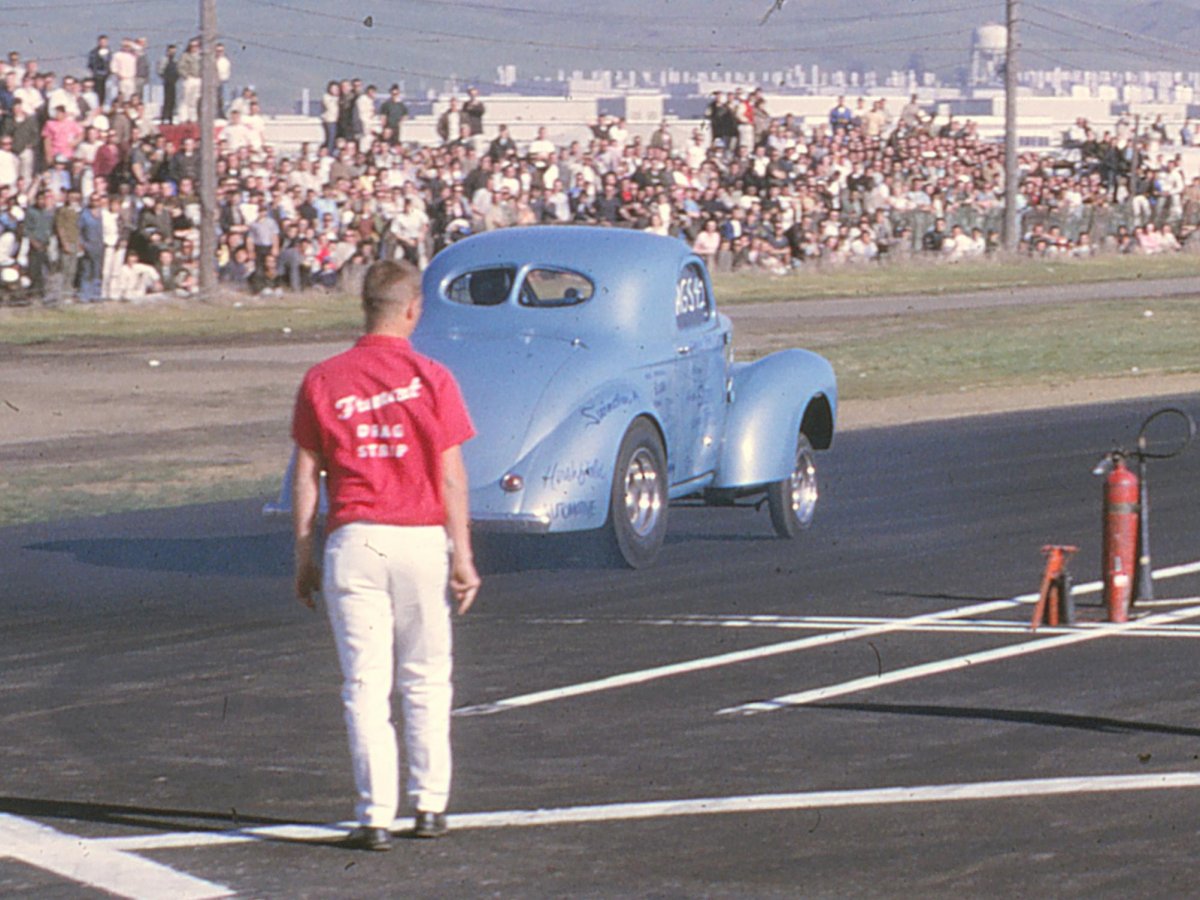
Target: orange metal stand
{"x": 1052, "y": 595}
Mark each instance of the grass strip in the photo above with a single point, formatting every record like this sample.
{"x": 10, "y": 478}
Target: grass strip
{"x": 316, "y": 314}
{"x": 960, "y": 350}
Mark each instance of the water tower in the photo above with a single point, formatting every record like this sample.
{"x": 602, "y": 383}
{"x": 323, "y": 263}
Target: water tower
{"x": 988, "y": 45}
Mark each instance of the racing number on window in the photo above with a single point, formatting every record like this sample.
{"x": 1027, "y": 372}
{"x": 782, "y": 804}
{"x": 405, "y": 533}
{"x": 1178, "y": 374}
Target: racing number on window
{"x": 691, "y": 299}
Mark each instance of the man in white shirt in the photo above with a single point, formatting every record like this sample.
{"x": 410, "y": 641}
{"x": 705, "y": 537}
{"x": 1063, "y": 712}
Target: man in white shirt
{"x": 958, "y": 245}
{"x": 31, "y": 98}
{"x": 410, "y": 228}
{"x": 1173, "y": 185}
{"x": 224, "y": 70}
{"x": 541, "y": 147}
{"x": 114, "y": 247}
{"x": 124, "y": 69}
{"x": 257, "y": 124}
{"x": 66, "y": 95}
{"x": 10, "y": 166}
{"x": 364, "y": 109}
{"x": 135, "y": 280}
{"x": 618, "y": 133}
{"x": 236, "y": 134}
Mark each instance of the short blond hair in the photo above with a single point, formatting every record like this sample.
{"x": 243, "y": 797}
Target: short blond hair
{"x": 389, "y": 287}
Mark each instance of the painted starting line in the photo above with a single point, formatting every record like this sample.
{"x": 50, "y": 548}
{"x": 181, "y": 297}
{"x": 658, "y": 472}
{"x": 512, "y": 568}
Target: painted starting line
{"x": 753, "y": 803}
{"x": 911, "y": 623}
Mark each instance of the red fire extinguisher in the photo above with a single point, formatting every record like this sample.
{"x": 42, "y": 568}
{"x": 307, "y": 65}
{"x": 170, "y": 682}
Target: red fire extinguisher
{"x": 1120, "y": 536}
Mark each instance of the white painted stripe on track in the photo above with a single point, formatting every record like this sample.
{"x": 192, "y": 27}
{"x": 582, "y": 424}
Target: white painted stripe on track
{"x": 995, "y": 790}
{"x": 725, "y": 659}
{"x": 838, "y": 623}
{"x": 642, "y": 676}
{"x": 93, "y": 864}
{"x": 752, "y": 803}
{"x": 938, "y": 667}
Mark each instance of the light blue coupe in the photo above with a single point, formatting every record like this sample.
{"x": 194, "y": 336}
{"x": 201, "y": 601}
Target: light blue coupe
{"x": 601, "y": 381}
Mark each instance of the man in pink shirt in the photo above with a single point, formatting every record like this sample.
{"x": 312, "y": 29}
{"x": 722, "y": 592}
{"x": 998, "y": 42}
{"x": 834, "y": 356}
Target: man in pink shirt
{"x": 60, "y": 135}
{"x": 386, "y": 425}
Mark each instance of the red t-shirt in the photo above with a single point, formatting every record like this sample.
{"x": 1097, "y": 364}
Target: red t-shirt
{"x": 380, "y": 416}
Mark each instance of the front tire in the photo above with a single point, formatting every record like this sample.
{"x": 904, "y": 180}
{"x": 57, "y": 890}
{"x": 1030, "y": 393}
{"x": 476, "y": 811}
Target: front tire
{"x": 637, "y": 512}
{"x": 793, "y": 501}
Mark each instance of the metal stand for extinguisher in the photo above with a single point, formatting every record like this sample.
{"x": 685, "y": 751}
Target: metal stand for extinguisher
{"x": 1118, "y": 599}
{"x": 1143, "y": 588}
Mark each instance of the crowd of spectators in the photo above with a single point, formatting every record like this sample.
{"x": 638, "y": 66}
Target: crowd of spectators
{"x": 98, "y": 197}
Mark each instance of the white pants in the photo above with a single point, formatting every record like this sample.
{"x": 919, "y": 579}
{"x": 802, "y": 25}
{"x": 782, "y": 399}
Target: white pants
{"x": 189, "y": 109}
{"x": 385, "y": 591}
{"x": 114, "y": 258}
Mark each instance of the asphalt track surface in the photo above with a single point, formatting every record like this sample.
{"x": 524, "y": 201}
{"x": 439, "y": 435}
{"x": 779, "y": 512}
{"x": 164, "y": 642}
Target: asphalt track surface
{"x": 862, "y": 712}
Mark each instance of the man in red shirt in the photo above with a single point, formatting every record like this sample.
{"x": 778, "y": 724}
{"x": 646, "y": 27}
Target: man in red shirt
{"x": 386, "y": 425}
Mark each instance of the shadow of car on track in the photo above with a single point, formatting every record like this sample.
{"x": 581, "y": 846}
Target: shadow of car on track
{"x": 258, "y": 555}
{"x": 270, "y": 555}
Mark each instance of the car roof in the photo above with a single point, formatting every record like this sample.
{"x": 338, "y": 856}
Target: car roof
{"x": 634, "y": 275}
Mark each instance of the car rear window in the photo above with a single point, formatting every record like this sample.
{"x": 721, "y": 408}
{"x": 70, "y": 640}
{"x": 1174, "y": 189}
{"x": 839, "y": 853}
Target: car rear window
{"x": 482, "y": 287}
{"x": 555, "y": 287}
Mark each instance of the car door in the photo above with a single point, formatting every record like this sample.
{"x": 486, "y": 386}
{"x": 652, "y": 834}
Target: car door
{"x": 699, "y": 377}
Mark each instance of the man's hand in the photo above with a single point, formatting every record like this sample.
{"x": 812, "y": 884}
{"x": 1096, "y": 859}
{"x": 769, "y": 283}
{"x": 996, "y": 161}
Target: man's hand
{"x": 306, "y": 493}
{"x": 308, "y": 581}
{"x": 464, "y": 582}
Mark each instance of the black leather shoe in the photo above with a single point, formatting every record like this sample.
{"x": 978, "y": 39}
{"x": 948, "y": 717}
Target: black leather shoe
{"x": 430, "y": 825}
{"x": 366, "y": 838}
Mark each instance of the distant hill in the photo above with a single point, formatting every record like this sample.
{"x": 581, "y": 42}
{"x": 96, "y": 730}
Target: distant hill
{"x": 281, "y": 47}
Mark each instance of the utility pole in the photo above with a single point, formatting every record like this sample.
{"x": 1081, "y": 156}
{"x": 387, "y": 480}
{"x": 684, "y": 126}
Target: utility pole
{"x": 208, "y": 150}
{"x": 1011, "y": 170}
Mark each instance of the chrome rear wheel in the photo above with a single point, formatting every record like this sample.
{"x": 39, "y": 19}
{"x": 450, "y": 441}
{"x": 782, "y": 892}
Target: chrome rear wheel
{"x": 793, "y": 501}
{"x": 638, "y": 508}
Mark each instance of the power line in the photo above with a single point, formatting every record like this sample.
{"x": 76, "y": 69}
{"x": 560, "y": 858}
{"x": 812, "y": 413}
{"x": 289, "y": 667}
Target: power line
{"x": 440, "y": 36}
{"x": 72, "y": 4}
{"x": 1138, "y": 54}
{"x": 357, "y": 65}
{"x": 1109, "y": 29}
{"x": 608, "y": 18}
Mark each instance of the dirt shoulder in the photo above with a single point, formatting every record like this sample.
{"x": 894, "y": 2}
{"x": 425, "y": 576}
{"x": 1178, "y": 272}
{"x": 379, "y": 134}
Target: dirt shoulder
{"x": 66, "y": 402}
{"x": 85, "y": 429}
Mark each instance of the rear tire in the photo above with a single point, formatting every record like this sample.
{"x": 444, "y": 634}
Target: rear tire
{"x": 637, "y": 511}
{"x": 793, "y": 501}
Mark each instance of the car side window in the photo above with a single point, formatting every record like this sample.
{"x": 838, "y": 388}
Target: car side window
{"x": 482, "y": 287}
{"x": 555, "y": 287}
{"x": 693, "y": 305}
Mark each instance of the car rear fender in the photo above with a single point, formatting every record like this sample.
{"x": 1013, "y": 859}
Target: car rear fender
{"x": 568, "y": 475}
{"x": 772, "y": 400}
{"x": 282, "y": 506}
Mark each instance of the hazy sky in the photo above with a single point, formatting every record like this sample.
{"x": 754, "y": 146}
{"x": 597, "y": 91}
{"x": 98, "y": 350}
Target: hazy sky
{"x": 281, "y": 46}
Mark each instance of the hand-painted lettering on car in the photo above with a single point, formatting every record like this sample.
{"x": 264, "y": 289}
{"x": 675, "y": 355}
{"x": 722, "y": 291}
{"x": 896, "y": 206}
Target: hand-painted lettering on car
{"x": 573, "y": 510}
{"x": 597, "y": 412}
{"x": 573, "y": 472}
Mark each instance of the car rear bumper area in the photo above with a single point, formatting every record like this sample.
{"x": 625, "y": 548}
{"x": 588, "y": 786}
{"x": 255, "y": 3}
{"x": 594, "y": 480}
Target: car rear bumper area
{"x": 521, "y": 523}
